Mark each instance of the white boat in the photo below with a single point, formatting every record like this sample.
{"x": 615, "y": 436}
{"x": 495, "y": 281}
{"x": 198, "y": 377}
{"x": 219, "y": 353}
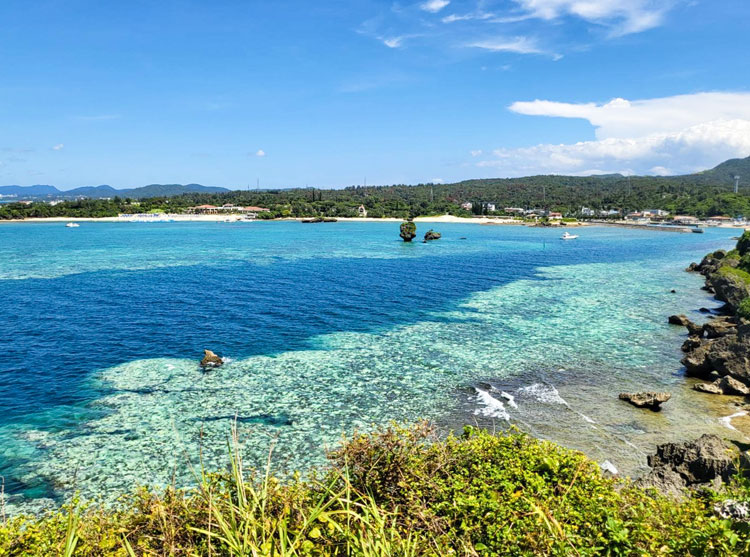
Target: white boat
{"x": 568, "y": 236}
{"x": 72, "y": 225}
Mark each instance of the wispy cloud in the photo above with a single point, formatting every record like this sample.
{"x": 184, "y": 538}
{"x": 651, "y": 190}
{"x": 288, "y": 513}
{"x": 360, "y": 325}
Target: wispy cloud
{"x": 623, "y": 17}
{"x": 58, "y": 147}
{"x": 260, "y": 153}
{"x": 518, "y": 45}
{"x": 434, "y": 6}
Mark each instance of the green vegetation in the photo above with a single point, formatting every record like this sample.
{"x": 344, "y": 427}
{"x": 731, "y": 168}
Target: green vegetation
{"x": 743, "y": 244}
{"x": 398, "y": 492}
{"x": 408, "y": 231}
{"x": 743, "y": 310}
{"x": 737, "y": 273}
{"x": 704, "y": 194}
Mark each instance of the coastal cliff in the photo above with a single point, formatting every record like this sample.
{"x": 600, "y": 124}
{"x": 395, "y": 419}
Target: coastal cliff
{"x": 719, "y": 350}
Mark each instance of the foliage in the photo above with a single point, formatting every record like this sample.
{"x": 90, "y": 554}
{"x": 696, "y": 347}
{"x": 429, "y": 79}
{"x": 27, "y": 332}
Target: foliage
{"x": 408, "y": 231}
{"x": 743, "y": 244}
{"x": 705, "y": 194}
{"x": 400, "y": 491}
{"x": 736, "y": 273}
{"x": 743, "y": 310}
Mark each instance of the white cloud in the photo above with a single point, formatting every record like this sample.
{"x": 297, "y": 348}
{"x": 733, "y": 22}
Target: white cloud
{"x": 669, "y": 135}
{"x": 260, "y": 153}
{"x": 434, "y": 6}
{"x": 437, "y": 181}
{"x": 624, "y": 16}
{"x": 623, "y": 118}
{"x": 518, "y": 45}
{"x": 475, "y": 152}
{"x": 58, "y": 147}
{"x": 695, "y": 148}
{"x": 393, "y": 42}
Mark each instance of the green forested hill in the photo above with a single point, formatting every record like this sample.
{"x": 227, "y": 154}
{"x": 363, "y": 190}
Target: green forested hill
{"x": 703, "y": 194}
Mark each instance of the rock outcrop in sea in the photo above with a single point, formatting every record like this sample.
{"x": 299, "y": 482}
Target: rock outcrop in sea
{"x": 650, "y": 400}
{"x": 210, "y": 360}
{"x": 431, "y": 235}
{"x": 408, "y": 231}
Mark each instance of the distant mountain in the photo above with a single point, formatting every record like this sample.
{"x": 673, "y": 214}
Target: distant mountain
{"x": 91, "y": 191}
{"x": 725, "y": 172}
{"x": 98, "y": 192}
{"x": 168, "y": 190}
{"x": 29, "y": 190}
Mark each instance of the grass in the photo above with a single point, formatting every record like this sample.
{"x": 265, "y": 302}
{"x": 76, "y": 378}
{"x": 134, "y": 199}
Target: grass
{"x": 397, "y": 492}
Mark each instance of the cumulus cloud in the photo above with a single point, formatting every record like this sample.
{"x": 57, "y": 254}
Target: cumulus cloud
{"x": 58, "y": 147}
{"x": 624, "y": 118}
{"x": 260, "y": 153}
{"x": 434, "y": 6}
{"x": 662, "y": 136}
{"x": 624, "y": 17}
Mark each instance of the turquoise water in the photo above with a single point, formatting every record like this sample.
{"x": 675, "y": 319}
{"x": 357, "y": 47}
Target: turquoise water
{"x": 328, "y": 328}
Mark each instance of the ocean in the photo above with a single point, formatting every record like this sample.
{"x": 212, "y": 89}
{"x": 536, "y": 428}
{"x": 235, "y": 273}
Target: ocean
{"x": 329, "y": 329}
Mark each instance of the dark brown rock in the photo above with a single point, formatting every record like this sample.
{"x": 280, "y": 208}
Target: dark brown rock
{"x": 691, "y": 343}
{"x": 210, "y": 360}
{"x": 719, "y": 327}
{"x": 650, "y": 400}
{"x": 706, "y": 462}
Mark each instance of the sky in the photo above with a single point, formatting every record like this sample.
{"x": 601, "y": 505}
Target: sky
{"x": 336, "y": 93}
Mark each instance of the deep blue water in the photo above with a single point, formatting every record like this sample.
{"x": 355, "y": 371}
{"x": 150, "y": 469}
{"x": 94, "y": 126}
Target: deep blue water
{"x": 76, "y": 302}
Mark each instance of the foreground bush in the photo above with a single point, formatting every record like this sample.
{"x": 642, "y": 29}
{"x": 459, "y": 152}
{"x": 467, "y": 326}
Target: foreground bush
{"x": 398, "y": 492}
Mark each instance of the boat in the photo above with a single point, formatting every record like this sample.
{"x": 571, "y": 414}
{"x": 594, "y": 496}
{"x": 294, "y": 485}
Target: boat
{"x": 568, "y": 236}
{"x": 697, "y": 230}
{"x": 72, "y": 225}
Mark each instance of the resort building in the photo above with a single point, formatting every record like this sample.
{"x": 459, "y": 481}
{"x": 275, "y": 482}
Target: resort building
{"x": 226, "y": 208}
{"x": 587, "y": 212}
{"x": 468, "y": 205}
{"x": 684, "y": 219}
{"x": 513, "y": 210}
{"x": 716, "y": 221}
{"x": 554, "y": 216}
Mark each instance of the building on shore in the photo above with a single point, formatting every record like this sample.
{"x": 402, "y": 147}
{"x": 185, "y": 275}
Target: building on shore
{"x": 250, "y": 212}
{"x": 361, "y": 211}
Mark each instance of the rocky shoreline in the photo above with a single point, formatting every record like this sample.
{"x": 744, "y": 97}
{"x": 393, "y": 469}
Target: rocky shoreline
{"x": 718, "y": 352}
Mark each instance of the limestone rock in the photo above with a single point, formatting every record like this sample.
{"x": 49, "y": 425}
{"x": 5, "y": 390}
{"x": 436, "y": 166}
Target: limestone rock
{"x": 706, "y": 462}
{"x": 725, "y": 386}
{"x": 431, "y": 235}
{"x": 650, "y": 400}
{"x": 408, "y": 231}
{"x": 210, "y": 360}
{"x": 719, "y": 327}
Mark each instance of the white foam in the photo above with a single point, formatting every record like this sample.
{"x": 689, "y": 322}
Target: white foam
{"x": 493, "y": 408}
{"x": 727, "y": 420}
{"x": 510, "y": 398}
{"x": 607, "y": 466}
{"x": 544, "y": 393}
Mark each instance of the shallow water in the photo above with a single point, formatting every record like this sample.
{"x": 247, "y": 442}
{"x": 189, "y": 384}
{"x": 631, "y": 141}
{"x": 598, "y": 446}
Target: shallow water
{"x": 329, "y": 328}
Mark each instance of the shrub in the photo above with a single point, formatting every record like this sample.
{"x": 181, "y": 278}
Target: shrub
{"x": 743, "y": 244}
{"x": 397, "y": 492}
{"x": 743, "y": 310}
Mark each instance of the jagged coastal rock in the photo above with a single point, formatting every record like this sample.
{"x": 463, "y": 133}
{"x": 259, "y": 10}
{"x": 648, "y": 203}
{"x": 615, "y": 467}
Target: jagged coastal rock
{"x": 650, "y": 400}
{"x": 210, "y": 360}
{"x": 408, "y": 231}
{"x": 719, "y": 352}
{"x": 706, "y": 462}
{"x": 431, "y": 235}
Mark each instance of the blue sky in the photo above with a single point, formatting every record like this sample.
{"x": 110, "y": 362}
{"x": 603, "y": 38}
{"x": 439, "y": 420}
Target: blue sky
{"x": 327, "y": 93}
